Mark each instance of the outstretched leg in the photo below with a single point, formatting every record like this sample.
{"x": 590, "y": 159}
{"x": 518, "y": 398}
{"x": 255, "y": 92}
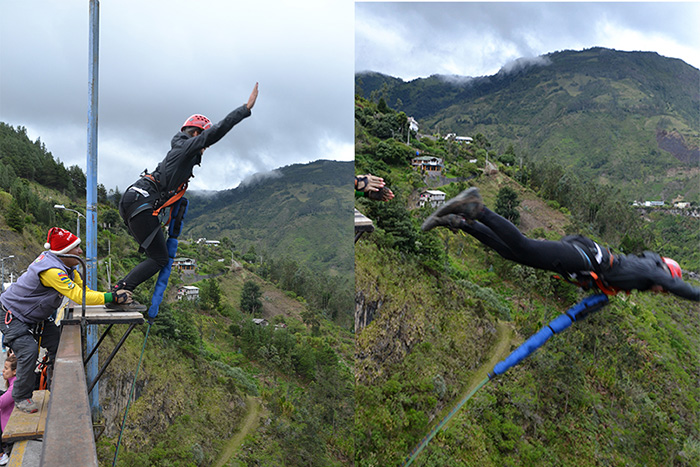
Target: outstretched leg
{"x": 550, "y": 255}
{"x": 467, "y": 212}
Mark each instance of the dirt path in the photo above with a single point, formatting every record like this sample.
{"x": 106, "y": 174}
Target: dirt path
{"x": 250, "y": 423}
{"x": 497, "y": 353}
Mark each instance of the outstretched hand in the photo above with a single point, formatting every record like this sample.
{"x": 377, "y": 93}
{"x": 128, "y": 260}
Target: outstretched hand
{"x": 253, "y": 97}
{"x": 369, "y": 183}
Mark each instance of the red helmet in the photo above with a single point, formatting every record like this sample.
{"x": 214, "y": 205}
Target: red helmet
{"x": 672, "y": 266}
{"x": 197, "y": 120}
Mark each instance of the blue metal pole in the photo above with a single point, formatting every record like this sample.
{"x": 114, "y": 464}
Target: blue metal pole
{"x": 91, "y": 196}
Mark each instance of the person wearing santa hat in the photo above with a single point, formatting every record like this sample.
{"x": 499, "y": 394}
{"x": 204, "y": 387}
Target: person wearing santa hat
{"x": 29, "y": 302}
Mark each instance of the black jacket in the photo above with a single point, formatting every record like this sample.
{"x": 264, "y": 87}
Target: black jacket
{"x": 643, "y": 271}
{"x": 630, "y": 272}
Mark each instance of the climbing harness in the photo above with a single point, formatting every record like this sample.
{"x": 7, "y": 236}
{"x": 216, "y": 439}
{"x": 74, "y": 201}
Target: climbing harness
{"x": 590, "y": 280}
{"x": 576, "y": 313}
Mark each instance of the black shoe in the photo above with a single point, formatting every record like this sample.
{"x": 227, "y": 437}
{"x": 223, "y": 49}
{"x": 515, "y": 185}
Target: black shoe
{"x": 467, "y": 204}
{"x": 452, "y": 221}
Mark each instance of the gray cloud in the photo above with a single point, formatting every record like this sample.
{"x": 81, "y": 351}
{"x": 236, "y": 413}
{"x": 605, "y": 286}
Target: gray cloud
{"x": 524, "y": 62}
{"x": 161, "y": 61}
{"x": 410, "y": 40}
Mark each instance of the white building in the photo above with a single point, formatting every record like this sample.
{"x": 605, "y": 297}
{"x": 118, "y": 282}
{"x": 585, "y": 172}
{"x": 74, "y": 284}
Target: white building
{"x": 433, "y": 198}
{"x": 188, "y": 292}
{"x": 207, "y": 242}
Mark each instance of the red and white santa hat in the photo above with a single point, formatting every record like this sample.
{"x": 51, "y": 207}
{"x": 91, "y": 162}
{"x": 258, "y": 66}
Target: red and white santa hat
{"x": 60, "y": 241}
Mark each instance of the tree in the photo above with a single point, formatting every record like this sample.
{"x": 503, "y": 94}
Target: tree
{"x": 78, "y": 178}
{"x": 15, "y": 217}
{"x": 250, "y": 298}
{"x": 507, "y": 203}
{"x": 101, "y": 193}
{"x": 210, "y": 294}
{"x": 382, "y": 107}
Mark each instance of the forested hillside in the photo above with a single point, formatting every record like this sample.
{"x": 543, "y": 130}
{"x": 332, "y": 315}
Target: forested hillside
{"x": 620, "y": 388}
{"x": 300, "y": 213}
{"x": 625, "y": 119}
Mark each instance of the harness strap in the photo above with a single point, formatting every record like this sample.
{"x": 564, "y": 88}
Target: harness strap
{"x": 605, "y": 288}
{"x": 171, "y": 199}
{"x": 179, "y": 193}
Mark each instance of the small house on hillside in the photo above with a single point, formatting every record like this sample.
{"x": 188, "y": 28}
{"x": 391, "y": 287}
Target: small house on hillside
{"x": 260, "y": 321}
{"x": 412, "y": 124}
{"x": 433, "y": 198}
{"x": 458, "y": 139}
{"x": 429, "y": 164}
{"x": 186, "y": 265}
{"x": 188, "y": 292}
{"x": 208, "y": 242}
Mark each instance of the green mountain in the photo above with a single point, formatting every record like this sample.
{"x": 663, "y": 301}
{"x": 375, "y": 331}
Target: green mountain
{"x": 302, "y": 211}
{"x": 629, "y": 119}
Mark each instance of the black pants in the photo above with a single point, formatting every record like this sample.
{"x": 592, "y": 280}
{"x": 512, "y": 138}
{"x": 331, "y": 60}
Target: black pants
{"x": 146, "y": 230}
{"x": 20, "y": 338}
{"x": 504, "y": 237}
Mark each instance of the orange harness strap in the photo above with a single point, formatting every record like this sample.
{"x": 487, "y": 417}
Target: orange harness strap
{"x": 606, "y": 289}
{"x": 179, "y": 193}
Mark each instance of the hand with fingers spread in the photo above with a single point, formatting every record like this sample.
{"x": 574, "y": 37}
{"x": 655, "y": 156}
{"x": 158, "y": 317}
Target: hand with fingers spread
{"x": 368, "y": 183}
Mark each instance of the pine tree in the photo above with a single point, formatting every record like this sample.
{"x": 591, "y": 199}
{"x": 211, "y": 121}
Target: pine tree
{"x": 15, "y": 217}
{"x": 250, "y": 298}
{"x": 507, "y": 203}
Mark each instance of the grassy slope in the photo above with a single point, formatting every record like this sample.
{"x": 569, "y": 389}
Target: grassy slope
{"x": 310, "y": 200}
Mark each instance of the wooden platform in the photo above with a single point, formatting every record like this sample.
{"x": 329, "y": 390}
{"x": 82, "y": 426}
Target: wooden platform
{"x": 99, "y": 314}
{"x": 362, "y": 224}
{"x": 22, "y": 425}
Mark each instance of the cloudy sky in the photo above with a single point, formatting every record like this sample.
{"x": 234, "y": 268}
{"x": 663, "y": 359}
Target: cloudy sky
{"x": 163, "y": 60}
{"x": 413, "y": 39}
